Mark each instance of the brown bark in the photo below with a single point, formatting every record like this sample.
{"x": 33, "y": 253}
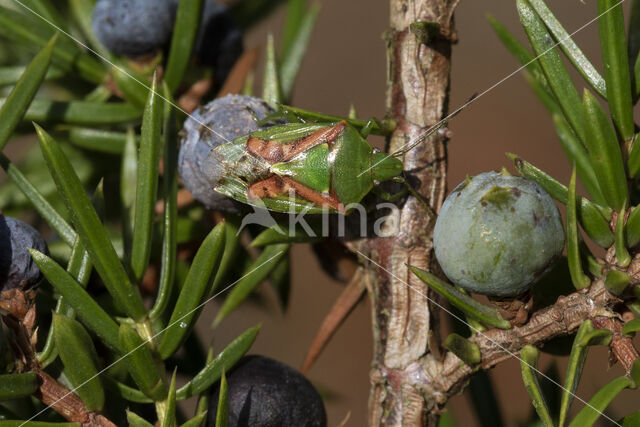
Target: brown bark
{"x": 444, "y": 378}
{"x": 417, "y": 94}
{"x": 60, "y": 399}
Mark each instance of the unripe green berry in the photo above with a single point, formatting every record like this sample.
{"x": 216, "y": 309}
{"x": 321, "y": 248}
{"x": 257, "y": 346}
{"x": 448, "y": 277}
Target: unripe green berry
{"x": 496, "y": 234}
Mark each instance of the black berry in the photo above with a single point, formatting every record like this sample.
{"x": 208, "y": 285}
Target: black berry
{"x": 133, "y": 27}
{"x": 266, "y": 393}
{"x": 17, "y": 269}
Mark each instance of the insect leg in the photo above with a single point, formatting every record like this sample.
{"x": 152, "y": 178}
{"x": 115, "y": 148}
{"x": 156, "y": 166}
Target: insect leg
{"x": 388, "y": 196}
{"x": 282, "y": 113}
{"x": 370, "y": 125}
{"x": 418, "y": 196}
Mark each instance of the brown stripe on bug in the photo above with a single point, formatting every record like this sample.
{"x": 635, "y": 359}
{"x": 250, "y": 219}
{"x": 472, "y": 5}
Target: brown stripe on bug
{"x": 276, "y": 152}
{"x": 277, "y": 185}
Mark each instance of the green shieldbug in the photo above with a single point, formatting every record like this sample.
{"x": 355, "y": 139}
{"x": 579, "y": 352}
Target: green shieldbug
{"x": 306, "y": 167}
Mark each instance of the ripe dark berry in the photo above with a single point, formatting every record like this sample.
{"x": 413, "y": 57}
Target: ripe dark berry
{"x": 266, "y": 393}
{"x": 133, "y": 27}
{"x": 497, "y": 234}
{"x": 220, "y": 121}
{"x": 17, "y": 269}
{"x": 219, "y": 43}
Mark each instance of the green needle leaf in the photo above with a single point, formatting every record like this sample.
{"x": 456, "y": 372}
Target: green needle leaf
{"x": 89, "y": 311}
{"x": 170, "y": 218}
{"x": 45, "y": 9}
{"x": 90, "y": 229}
{"x": 577, "y": 359}
{"x": 82, "y": 12}
{"x": 634, "y": 307}
{"x": 136, "y": 420}
{"x": 553, "y": 67}
{"x": 292, "y": 58}
{"x": 295, "y": 15}
{"x": 579, "y": 279}
{"x": 197, "y": 421}
{"x": 593, "y": 218}
{"x": 635, "y": 373}
{"x": 133, "y": 86}
{"x": 632, "y": 420}
{"x": 204, "y": 398}
{"x": 15, "y": 386}
{"x": 594, "y": 267}
{"x": 570, "y": 49}
{"x": 469, "y": 306}
{"x": 631, "y": 327}
{"x": 634, "y": 32}
{"x": 520, "y": 52}
{"x": 222, "y": 416}
{"x": 80, "y": 360}
{"x": 616, "y": 281}
{"x": 229, "y": 253}
{"x": 636, "y": 78}
{"x": 10, "y": 75}
{"x": 616, "y": 65}
{"x": 83, "y": 113}
{"x": 377, "y": 127}
{"x": 221, "y": 363}
{"x": 193, "y": 290}
{"x": 184, "y": 35}
{"x": 99, "y": 139}
{"x": 128, "y": 187}
{"x": 258, "y": 271}
{"x": 15, "y": 106}
{"x": 280, "y": 234}
{"x": 575, "y": 152}
{"x": 599, "y": 402}
{"x": 528, "y": 365}
{"x": 25, "y": 28}
{"x": 146, "y": 183}
{"x": 271, "y": 85}
{"x": 170, "y": 410}
{"x": 39, "y": 202}
{"x": 572, "y": 147}
{"x": 604, "y": 151}
{"x": 634, "y": 47}
{"x": 623, "y": 257}
{"x": 633, "y": 162}
{"x": 146, "y": 371}
{"x": 447, "y": 420}
{"x": 596, "y": 337}
{"x": 79, "y": 267}
{"x": 125, "y": 392}
{"x": 466, "y": 351}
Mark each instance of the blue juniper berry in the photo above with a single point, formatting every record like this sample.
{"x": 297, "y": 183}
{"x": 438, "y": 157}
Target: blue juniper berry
{"x": 17, "y": 268}
{"x": 133, "y": 27}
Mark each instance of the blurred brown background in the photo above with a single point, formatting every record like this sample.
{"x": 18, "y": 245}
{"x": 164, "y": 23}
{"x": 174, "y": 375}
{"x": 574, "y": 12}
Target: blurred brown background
{"x": 346, "y": 64}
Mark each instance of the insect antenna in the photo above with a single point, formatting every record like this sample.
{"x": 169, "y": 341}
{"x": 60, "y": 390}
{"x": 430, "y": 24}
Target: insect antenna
{"x": 442, "y": 123}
